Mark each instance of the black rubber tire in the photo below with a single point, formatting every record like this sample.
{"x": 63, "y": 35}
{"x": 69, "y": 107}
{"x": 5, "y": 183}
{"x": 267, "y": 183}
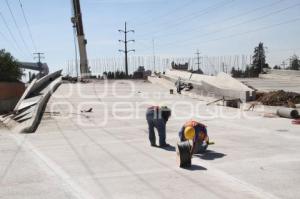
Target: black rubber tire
{"x": 183, "y": 152}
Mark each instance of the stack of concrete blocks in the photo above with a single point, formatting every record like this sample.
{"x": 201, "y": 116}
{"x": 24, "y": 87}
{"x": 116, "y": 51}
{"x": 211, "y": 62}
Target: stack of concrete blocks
{"x": 222, "y": 85}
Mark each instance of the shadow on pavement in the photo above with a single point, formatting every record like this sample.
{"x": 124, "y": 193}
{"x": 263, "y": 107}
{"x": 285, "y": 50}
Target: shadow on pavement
{"x": 210, "y": 155}
{"x": 170, "y": 148}
{"x": 195, "y": 168}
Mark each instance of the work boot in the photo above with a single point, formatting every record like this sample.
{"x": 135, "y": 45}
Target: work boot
{"x": 166, "y": 145}
{"x": 153, "y": 145}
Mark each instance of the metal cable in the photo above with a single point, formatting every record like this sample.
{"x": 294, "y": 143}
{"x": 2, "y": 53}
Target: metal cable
{"x": 244, "y": 22}
{"x": 18, "y": 28}
{"x": 220, "y": 21}
{"x": 28, "y": 26}
{"x": 11, "y": 34}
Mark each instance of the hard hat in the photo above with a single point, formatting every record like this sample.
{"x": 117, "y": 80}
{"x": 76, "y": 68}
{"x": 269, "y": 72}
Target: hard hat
{"x": 189, "y": 133}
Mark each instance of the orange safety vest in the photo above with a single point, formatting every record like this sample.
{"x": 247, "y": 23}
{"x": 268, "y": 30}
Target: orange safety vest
{"x": 192, "y": 123}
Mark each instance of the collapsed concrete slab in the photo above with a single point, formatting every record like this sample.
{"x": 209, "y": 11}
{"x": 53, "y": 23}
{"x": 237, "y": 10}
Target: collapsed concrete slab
{"x": 29, "y": 110}
{"x": 220, "y": 86}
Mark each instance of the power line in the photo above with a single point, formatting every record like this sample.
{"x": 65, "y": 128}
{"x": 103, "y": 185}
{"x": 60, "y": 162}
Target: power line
{"x": 218, "y": 22}
{"x": 28, "y": 26}
{"x": 126, "y": 51}
{"x": 259, "y": 29}
{"x": 251, "y": 31}
{"x": 17, "y": 26}
{"x": 202, "y": 12}
{"x": 4, "y": 36}
{"x": 166, "y": 14}
{"x": 190, "y": 17}
{"x": 238, "y": 24}
{"x": 10, "y": 33}
{"x": 6, "y": 39}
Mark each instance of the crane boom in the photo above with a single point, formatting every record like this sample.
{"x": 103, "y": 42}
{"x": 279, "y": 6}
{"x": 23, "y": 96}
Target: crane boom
{"x": 82, "y": 42}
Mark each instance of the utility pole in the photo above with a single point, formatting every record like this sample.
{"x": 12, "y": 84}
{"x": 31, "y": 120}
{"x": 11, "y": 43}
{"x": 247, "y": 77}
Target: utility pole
{"x": 154, "y": 58}
{"x": 39, "y": 56}
{"x": 126, "y": 51}
{"x": 283, "y": 64}
{"x": 198, "y": 59}
{"x": 223, "y": 67}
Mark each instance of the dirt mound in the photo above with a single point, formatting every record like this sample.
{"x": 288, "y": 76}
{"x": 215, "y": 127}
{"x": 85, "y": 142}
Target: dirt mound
{"x": 279, "y": 98}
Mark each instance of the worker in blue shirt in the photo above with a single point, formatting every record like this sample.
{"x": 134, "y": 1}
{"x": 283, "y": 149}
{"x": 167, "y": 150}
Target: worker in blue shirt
{"x": 157, "y": 117}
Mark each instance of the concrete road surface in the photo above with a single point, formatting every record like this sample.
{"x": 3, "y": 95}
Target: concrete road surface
{"x": 106, "y": 153}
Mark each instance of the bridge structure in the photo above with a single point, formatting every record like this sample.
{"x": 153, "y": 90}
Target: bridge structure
{"x": 42, "y": 68}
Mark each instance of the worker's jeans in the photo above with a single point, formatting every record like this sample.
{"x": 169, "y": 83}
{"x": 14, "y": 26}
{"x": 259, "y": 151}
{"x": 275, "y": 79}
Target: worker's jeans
{"x": 159, "y": 124}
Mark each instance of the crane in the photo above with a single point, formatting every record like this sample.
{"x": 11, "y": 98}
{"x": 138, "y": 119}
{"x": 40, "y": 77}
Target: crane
{"x": 82, "y": 42}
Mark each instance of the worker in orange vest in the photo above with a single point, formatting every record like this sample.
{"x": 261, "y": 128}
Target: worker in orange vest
{"x": 193, "y": 130}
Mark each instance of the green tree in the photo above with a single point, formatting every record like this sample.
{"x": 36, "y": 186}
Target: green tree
{"x": 294, "y": 63}
{"x": 259, "y": 59}
{"x": 233, "y": 72}
{"x": 277, "y": 67}
{"x": 9, "y": 69}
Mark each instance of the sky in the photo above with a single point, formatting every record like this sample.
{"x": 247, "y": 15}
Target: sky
{"x": 177, "y": 27}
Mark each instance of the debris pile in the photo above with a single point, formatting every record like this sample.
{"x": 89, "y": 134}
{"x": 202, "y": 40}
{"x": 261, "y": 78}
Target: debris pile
{"x": 279, "y": 98}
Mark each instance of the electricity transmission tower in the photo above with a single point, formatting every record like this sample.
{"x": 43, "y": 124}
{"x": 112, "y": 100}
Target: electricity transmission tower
{"x": 154, "y": 58}
{"x": 283, "y": 64}
{"x": 198, "y": 59}
{"x": 126, "y": 51}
